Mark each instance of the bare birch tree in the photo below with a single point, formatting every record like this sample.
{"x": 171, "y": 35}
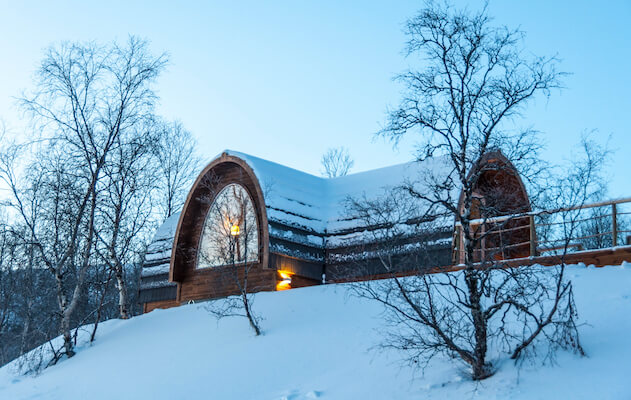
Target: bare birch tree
{"x": 230, "y": 245}
{"x": 178, "y": 166}
{"x": 8, "y": 289}
{"x": 126, "y": 207}
{"x": 476, "y": 81}
{"x": 86, "y": 97}
{"x": 336, "y": 162}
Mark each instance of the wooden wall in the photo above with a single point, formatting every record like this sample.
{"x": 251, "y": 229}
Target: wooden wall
{"x": 194, "y": 283}
{"x": 161, "y": 293}
{"x": 373, "y": 268}
{"x": 222, "y": 281}
{"x": 164, "y": 304}
{"x": 307, "y": 269}
{"x": 309, "y": 261}
{"x": 499, "y": 191}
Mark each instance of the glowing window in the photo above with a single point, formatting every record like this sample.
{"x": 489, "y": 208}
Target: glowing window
{"x": 230, "y": 232}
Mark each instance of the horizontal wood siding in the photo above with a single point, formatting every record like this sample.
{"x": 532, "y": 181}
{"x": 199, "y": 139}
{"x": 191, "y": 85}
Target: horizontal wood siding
{"x": 367, "y": 268}
{"x": 297, "y": 266}
{"x": 157, "y": 294}
{"x": 221, "y": 282}
{"x": 148, "y": 307}
{"x": 299, "y": 281}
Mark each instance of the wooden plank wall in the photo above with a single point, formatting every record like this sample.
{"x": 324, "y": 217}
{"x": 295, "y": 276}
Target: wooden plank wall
{"x": 148, "y": 307}
{"x": 194, "y": 283}
{"x": 219, "y": 282}
{"x": 407, "y": 264}
{"x": 158, "y": 294}
{"x": 294, "y": 265}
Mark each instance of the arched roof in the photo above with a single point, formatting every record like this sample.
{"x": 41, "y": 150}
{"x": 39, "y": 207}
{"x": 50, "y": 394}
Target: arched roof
{"x": 190, "y": 215}
{"x": 304, "y": 209}
{"x": 315, "y": 204}
{"x": 496, "y": 162}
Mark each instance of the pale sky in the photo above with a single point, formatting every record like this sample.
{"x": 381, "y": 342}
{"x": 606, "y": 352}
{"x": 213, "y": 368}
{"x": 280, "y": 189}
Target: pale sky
{"x": 285, "y": 80}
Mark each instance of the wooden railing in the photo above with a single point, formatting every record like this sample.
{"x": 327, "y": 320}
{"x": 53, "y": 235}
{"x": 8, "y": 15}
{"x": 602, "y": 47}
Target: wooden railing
{"x": 588, "y": 226}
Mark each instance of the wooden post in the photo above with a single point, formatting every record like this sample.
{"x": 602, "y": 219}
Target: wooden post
{"x": 461, "y": 255}
{"x": 482, "y": 243}
{"x": 533, "y": 236}
{"x": 614, "y": 225}
{"x": 457, "y": 240}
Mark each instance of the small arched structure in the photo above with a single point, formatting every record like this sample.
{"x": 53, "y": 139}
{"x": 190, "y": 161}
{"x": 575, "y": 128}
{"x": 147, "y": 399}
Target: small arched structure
{"x": 498, "y": 191}
{"x": 305, "y": 232}
{"x": 201, "y": 283}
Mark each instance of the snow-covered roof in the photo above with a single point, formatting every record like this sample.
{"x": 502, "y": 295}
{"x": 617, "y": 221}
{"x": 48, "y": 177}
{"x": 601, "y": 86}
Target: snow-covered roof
{"x": 155, "y": 271}
{"x": 158, "y": 253}
{"x": 306, "y": 213}
{"x": 314, "y": 203}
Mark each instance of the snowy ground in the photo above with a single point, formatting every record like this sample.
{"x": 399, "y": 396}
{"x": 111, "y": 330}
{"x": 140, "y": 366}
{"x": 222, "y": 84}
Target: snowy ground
{"x": 316, "y": 346}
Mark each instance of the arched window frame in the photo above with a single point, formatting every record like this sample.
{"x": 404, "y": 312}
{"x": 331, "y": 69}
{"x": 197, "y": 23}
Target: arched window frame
{"x": 239, "y": 249}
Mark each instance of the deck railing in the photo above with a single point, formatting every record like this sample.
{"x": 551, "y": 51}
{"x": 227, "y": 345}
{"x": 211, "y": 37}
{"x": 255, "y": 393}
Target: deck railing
{"x": 584, "y": 227}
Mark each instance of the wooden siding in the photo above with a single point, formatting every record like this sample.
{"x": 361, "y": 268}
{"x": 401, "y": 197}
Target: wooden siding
{"x": 296, "y": 266}
{"x": 366, "y": 269}
{"x": 598, "y": 258}
{"x": 157, "y": 294}
{"x": 148, "y": 307}
{"x": 299, "y": 250}
{"x": 299, "y": 281}
{"x": 219, "y": 282}
{"x": 498, "y": 191}
{"x": 194, "y": 283}
{"x": 220, "y": 173}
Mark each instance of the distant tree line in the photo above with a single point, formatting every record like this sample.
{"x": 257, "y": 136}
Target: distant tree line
{"x": 98, "y": 171}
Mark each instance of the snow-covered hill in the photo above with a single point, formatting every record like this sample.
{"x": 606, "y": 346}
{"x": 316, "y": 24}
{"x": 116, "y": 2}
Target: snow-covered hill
{"x": 316, "y": 346}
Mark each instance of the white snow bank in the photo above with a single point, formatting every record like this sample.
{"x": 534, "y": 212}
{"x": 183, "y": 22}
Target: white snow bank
{"x": 316, "y": 346}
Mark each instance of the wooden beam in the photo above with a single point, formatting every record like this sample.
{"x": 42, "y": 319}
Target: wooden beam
{"x": 533, "y": 237}
{"x": 614, "y": 225}
{"x": 524, "y": 215}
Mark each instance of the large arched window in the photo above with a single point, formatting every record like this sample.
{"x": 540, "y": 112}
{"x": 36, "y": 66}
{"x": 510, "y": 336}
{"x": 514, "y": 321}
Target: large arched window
{"x": 230, "y": 232}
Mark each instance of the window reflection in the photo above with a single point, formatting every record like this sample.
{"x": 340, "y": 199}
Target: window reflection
{"x": 230, "y": 232}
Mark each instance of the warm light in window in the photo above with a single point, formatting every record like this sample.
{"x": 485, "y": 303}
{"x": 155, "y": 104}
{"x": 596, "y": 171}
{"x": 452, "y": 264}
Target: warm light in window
{"x": 285, "y": 281}
{"x": 230, "y": 232}
{"x": 234, "y": 230}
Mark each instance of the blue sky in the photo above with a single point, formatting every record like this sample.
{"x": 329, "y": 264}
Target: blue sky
{"x": 286, "y": 80}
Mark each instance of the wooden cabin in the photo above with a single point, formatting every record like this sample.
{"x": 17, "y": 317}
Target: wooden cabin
{"x": 293, "y": 229}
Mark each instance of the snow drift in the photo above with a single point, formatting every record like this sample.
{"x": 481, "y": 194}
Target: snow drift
{"x": 316, "y": 344}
